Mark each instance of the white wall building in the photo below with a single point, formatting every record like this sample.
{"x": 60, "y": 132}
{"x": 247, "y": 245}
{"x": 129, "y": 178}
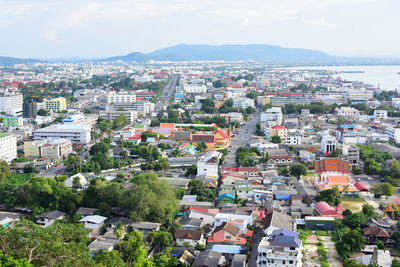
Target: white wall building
{"x": 243, "y": 102}
{"x": 195, "y": 88}
{"x": 380, "y": 114}
{"x": 328, "y": 143}
{"x": 394, "y": 134}
{"x": 131, "y": 116}
{"x": 11, "y": 104}
{"x": 208, "y": 164}
{"x": 8, "y": 147}
{"x": 347, "y": 112}
{"x": 272, "y": 114}
{"x": 121, "y": 98}
{"x": 78, "y": 134}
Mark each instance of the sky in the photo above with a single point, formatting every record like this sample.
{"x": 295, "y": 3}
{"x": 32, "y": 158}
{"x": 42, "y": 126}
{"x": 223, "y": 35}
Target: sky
{"x": 102, "y": 28}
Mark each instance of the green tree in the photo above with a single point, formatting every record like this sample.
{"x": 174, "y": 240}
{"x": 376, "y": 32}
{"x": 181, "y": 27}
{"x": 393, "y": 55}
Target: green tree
{"x": 100, "y": 147}
{"x": 276, "y": 139}
{"x": 355, "y": 220}
{"x": 192, "y": 170}
{"x": 4, "y": 170}
{"x": 297, "y": 170}
{"x": 396, "y": 263}
{"x": 42, "y": 112}
{"x": 9, "y": 261}
{"x": 369, "y": 210}
{"x": 201, "y": 146}
{"x": 59, "y": 244}
{"x": 161, "y": 239}
{"x": 208, "y": 105}
{"x": 135, "y": 252}
{"x": 119, "y": 230}
{"x": 165, "y": 259}
{"x": 330, "y": 196}
{"x": 119, "y": 122}
{"x": 109, "y": 259}
{"x": 349, "y": 241}
{"x": 104, "y": 126}
{"x": 383, "y": 189}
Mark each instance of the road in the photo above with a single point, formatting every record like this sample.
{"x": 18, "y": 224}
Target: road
{"x": 257, "y": 236}
{"x": 53, "y": 171}
{"x": 241, "y": 139}
{"x": 169, "y": 89}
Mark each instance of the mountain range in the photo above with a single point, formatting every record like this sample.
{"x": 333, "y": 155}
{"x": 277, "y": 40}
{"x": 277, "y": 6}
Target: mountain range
{"x": 257, "y": 52}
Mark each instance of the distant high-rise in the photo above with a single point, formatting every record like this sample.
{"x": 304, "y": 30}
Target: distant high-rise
{"x": 11, "y": 104}
{"x": 29, "y": 108}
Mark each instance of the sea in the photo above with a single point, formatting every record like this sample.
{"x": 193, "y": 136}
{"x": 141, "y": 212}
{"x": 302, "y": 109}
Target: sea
{"x": 384, "y": 77}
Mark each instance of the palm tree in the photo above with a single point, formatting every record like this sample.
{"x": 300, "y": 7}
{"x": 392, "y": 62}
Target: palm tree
{"x": 346, "y": 188}
{"x": 119, "y": 230}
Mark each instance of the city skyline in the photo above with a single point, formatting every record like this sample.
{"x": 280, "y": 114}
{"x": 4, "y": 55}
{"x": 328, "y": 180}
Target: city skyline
{"x": 98, "y": 28}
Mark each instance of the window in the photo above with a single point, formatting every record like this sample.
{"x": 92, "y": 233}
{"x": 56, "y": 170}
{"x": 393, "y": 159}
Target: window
{"x": 292, "y": 248}
{"x": 290, "y": 262}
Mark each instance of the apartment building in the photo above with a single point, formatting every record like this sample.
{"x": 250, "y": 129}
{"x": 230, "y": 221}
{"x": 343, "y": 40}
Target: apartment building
{"x": 380, "y": 114}
{"x": 139, "y": 106}
{"x": 11, "y": 121}
{"x": 243, "y": 102}
{"x": 11, "y": 104}
{"x": 29, "y": 108}
{"x": 272, "y": 115}
{"x": 55, "y": 104}
{"x": 78, "y": 134}
{"x": 195, "y": 88}
{"x": 8, "y": 145}
{"x": 351, "y": 152}
{"x": 130, "y": 115}
{"x": 279, "y": 130}
{"x": 121, "y": 98}
{"x": 394, "y": 134}
{"x": 52, "y": 148}
{"x": 282, "y": 101}
{"x": 282, "y": 248}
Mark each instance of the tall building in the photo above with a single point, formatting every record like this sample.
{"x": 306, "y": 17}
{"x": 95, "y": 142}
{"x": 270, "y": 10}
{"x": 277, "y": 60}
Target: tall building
{"x": 55, "y": 104}
{"x": 11, "y": 104}
{"x": 121, "y": 98}
{"x": 29, "y": 108}
{"x": 328, "y": 143}
{"x": 8, "y": 145}
{"x": 272, "y": 115}
{"x": 394, "y": 134}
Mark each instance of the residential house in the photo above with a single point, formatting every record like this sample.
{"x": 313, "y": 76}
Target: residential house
{"x": 227, "y": 232}
{"x": 192, "y": 237}
{"x": 279, "y": 130}
{"x": 209, "y": 258}
{"x": 49, "y": 217}
{"x": 375, "y": 233}
{"x": 144, "y": 227}
{"x": 93, "y": 222}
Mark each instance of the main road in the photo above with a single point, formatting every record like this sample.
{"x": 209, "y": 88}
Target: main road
{"x": 169, "y": 89}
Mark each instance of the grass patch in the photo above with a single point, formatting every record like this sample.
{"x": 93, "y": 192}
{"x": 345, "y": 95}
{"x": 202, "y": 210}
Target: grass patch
{"x": 352, "y": 203}
{"x": 322, "y": 254}
{"x": 304, "y": 234}
{"x": 18, "y": 179}
{"x": 322, "y": 233}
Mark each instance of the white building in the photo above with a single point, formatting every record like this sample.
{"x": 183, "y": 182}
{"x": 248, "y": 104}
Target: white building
{"x": 243, "y": 102}
{"x": 131, "y": 116}
{"x": 81, "y": 119}
{"x": 8, "y": 145}
{"x": 328, "y": 143}
{"x": 394, "y": 134}
{"x": 78, "y": 134}
{"x": 208, "y": 164}
{"x": 293, "y": 138}
{"x": 113, "y": 97}
{"x": 93, "y": 222}
{"x": 195, "y": 88}
{"x": 347, "y": 112}
{"x": 380, "y": 114}
{"x": 11, "y": 104}
{"x": 139, "y": 106}
{"x": 272, "y": 115}
{"x": 281, "y": 249}
{"x": 193, "y": 237}
{"x": 49, "y": 217}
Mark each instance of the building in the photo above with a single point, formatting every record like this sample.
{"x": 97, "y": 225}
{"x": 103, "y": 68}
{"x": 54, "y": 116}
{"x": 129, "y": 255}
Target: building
{"x": 347, "y": 112}
{"x": 10, "y": 121}
{"x": 297, "y": 100}
{"x": 11, "y": 104}
{"x": 53, "y": 148}
{"x": 131, "y": 116}
{"x": 305, "y": 113}
{"x": 279, "y": 130}
{"x": 243, "y": 102}
{"x": 208, "y": 164}
{"x": 352, "y": 153}
{"x": 93, "y": 222}
{"x": 293, "y": 138}
{"x": 380, "y": 114}
{"x": 328, "y": 143}
{"x": 81, "y": 119}
{"x": 272, "y": 115}
{"x": 49, "y": 217}
{"x": 78, "y": 134}
{"x": 195, "y": 88}
{"x": 139, "y": 106}
{"x": 29, "y": 108}
{"x": 55, "y": 104}
{"x": 121, "y": 98}
{"x": 394, "y": 134}
{"x": 8, "y": 145}
{"x": 192, "y": 237}
{"x": 282, "y": 248}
